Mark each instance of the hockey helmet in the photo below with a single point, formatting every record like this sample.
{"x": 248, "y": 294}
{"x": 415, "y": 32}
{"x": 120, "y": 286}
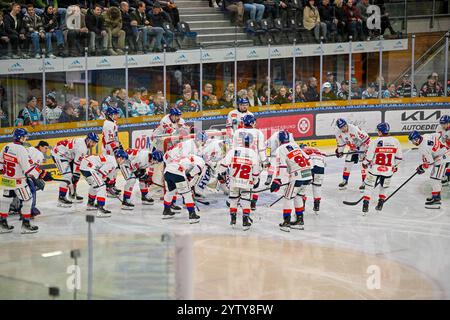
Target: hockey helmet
{"x": 157, "y": 155}
{"x": 120, "y": 153}
{"x": 249, "y": 120}
{"x": 340, "y": 123}
{"x": 414, "y": 136}
{"x": 384, "y": 127}
{"x": 92, "y": 136}
{"x": 444, "y": 119}
{"x": 283, "y": 136}
{"x": 19, "y": 133}
{"x": 175, "y": 112}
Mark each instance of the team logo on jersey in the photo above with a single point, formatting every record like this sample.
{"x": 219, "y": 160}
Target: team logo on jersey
{"x": 380, "y": 143}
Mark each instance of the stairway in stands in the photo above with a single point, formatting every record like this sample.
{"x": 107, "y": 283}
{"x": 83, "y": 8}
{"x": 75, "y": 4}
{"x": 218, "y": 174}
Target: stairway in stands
{"x": 213, "y": 27}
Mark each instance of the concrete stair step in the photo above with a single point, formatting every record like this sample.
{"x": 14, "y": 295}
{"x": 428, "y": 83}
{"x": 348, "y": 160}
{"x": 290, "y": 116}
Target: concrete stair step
{"x": 217, "y": 30}
{"x": 209, "y": 23}
{"x": 223, "y": 37}
{"x": 202, "y": 17}
{"x": 194, "y": 10}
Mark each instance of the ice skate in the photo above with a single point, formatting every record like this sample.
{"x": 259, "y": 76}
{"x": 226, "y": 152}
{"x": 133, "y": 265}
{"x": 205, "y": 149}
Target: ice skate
{"x": 246, "y": 224}
{"x": 168, "y": 213}
{"x": 146, "y": 200}
{"x": 127, "y": 205}
{"x": 298, "y": 224}
{"x": 5, "y": 227}
{"x": 75, "y": 198}
{"x": 193, "y": 218}
{"x": 175, "y": 208}
{"x": 434, "y": 203}
{"x": 362, "y": 187}
{"x": 64, "y": 203}
{"x": 103, "y": 213}
{"x": 27, "y": 227}
{"x": 253, "y": 204}
{"x": 286, "y": 225}
{"x": 233, "y": 219}
{"x": 365, "y": 207}
{"x": 380, "y": 204}
{"x": 343, "y": 185}
{"x": 268, "y": 180}
{"x": 316, "y": 208}
{"x": 91, "y": 206}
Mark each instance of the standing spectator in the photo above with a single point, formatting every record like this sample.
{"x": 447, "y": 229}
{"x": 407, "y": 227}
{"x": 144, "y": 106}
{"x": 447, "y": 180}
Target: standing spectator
{"x": 252, "y": 98}
{"x": 282, "y": 96}
{"x": 311, "y": 21}
{"x": 431, "y": 88}
{"x": 34, "y": 28}
{"x": 340, "y": 19}
{"x": 121, "y": 102}
{"x": 4, "y": 39}
{"x": 113, "y": 26}
{"x": 390, "y": 92}
{"x": 98, "y": 37}
{"x": 312, "y": 94}
{"x": 138, "y": 106}
{"x": 68, "y": 114}
{"x": 238, "y": 7}
{"x": 327, "y": 16}
{"x": 385, "y": 22}
{"x": 370, "y": 92}
{"x": 130, "y": 37}
{"x": 343, "y": 91}
{"x": 171, "y": 8}
{"x": 76, "y": 31}
{"x": 141, "y": 24}
{"x": 405, "y": 89}
{"x": 327, "y": 92}
{"x": 51, "y": 111}
{"x": 335, "y": 86}
{"x": 30, "y": 115}
{"x": 52, "y": 31}
{"x": 353, "y": 21}
{"x": 157, "y": 18}
{"x": 187, "y": 103}
{"x": 15, "y": 30}
{"x": 256, "y": 10}
{"x": 362, "y": 7}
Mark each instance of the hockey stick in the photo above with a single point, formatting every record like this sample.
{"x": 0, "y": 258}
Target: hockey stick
{"x": 344, "y": 154}
{"x": 62, "y": 180}
{"x": 353, "y": 203}
{"x": 206, "y": 203}
{"x": 276, "y": 201}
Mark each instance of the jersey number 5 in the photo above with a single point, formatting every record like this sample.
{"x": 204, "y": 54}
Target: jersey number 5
{"x": 242, "y": 169}
{"x": 10, "y": 169}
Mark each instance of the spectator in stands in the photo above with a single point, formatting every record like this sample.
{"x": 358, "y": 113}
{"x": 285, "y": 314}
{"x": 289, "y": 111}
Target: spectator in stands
{"x": 370, "y": 92}
{"x": 311, "y": 21}
{"x": 271, "y": 10}
{"x": 207, "y": 93}
{"x": 69, "y": 114}
{"x": 130, "y": 37}
{"x": 362, "y": 7}
{"x": 98, "y": 37}
{"x": 300, "y": 90}
{"x": 107, "y": 100}
{"x": 380, "y": 79}
{"x": 138, "y": 106}
{"x": 327, "y": 92}
{"x": 187, "y": 103}
{"x": 113, "y": 26}
{"x": 335, "y": 86}
{"x": 356, "y": 90}
{"x": 51, "y": 111}
{"x": 390, "y": 92}
{"x": 282, "y": 97}
{"x": 15, "y": 30}
{"x": 242, "y": 94}
{"x": 121, "y": 101}
{"x": 341, "y": 20}
{"x": 256, "y": 10}
{"x": 238, "y": 7}
{"x": 326, "y": 12}
{"x": 227, "y": 99}
{"x": 406, "y": 89}
{"x": 431, "y": 88}
{"x": 52, "y": 31}
{"x": 140, "y": 23}
{"x": 385, "y": 22}
{"x": 353, "y": 21}
{"x": 34, "y": 28}
{"x": 76, "y": 31}
{"x": 436, "y": 77}
{"x": 312, "y": 94}
{"x": 282, "y": 9}
{"x": 158, "y": 102}
{"x": 157, "y": 18}
{"x": 343, "y": 91}
{"x": 252, "y": 98}
{"x": 4, "y": 40}
{"x": 171, "y": 8}
{"x": 30, "y": 115}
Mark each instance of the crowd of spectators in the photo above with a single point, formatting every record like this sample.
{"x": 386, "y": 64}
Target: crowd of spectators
{"x": 65, "y": 28}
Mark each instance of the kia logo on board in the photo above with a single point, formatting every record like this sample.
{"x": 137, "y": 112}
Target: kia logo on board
{"x": 421, "y": 116}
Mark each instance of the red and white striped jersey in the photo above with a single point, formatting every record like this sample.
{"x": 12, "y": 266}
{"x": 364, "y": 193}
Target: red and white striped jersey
{"x": 191, "y": 164}
{"x": 258, "y": 144}
{"x": 354, "y": 138}
{"x": 102, "y": 164}
{"x": 291, "y": 158}
{"x": 383, "y": 154}
{"x": 244, "y": 167}
{"x": 71, "y": 150}
{"x": 110, "y": 138}
{"x": 432, "y": 150}
{"x": 16, "y": 164}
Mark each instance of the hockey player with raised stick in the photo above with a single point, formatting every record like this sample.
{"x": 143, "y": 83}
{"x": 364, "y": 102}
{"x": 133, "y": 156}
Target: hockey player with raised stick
{"x": 293, "y": 162}
{"x": 177, "y": 174}
{"x": 95, "y": 169}
{"x": 382, "y": 159}
{"x": 357, "y": 140}
{"x": 436, "y": 155}
{"x": 139, "y": 167}
{"x": 16, "y": 169}
{"x": 444, "y": 136}
{"x": 317, "y": 160}
{"x": 244, "y": 167}
{"x": 67, "y": 155}
{"x": 111, "y": 143}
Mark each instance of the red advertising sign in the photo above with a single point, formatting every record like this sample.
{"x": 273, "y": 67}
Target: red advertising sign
{"x": 300, "y": 125}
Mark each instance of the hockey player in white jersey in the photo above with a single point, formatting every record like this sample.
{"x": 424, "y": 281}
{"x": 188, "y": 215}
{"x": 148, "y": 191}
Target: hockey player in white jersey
{"x": 258, "y": 145}
{"x": 139, "y": 167}
{"x": 272, "y": 145}
{"x": 171, "y": 124}
{"x": 111, "y": 143}
{"x": 444, "y": 136}
{"x": 357, "y": 141}
{"x": 291, "y": 161}
{"x": 382, "y": 159}
{"x": 435, "y": 155}
{"x": 67, "y": 155}
{"x": 16, "y": 169}
{"x": 317, "y": 160}
{"x": 95, "y": 169}
{"x": 244, "y": 167}
{"x": 235, "y": 117}
{"x": 177, "y": 174}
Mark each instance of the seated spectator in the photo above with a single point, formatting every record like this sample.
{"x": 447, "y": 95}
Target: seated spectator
{"x": 385, "y": 22}
{"x": 252, "y": 98}
{"x": 4, "y": 122}
{"x": 343, "y": 91}
{"x": 362, "y": 7}
{"x": 341, "y": 21}
{"x": 353, "y": 21}
{"x": 14, "y": 27}
{"x": 34, "y": 28}
{"x": 237, "y": 7}
{"x": 242, "y": 94}
{"x": 227, "y": 99}
{"x": 431, "y": 88}
{"x": 271, "y": 10}
{"x": 327, "y": 92}
{"x": 255, "y": 10}
{"x": 69, "y": 114}
{"x": 30, "y": 115}
{"x": 405, "y": 89}
{"x": 312, "y": 94}
{"x": 157, "y": 18}
{"x": 335, "y": 86}
{"x": 282, "y": 97}
{"x": 98, "y": 37}
{"x": 207, "y": 93}
{"x": 107, "y": 100}
{"x": 113, "y": 26}
{"x": 282, "y": 9}
{"x": 76, "y": 31}
{"x": 187, "y": 103}
{"x": 195, "y": 95}
{"x": 300, "y": 90}
{"x": 4, "y": 40}
{"x": 158, "y": 103}
{"x": 436, "y": 77}
{"x": 326, "y": 12}
{"x": 356, "y": 90}
{"x": 370, "y": 92}
{"x": 311, "y": 21}
{"x": 171, "y": 8}
{"x": 138, "y": 106}
{"x": 141, "y": 24}
{"x": 52, "y": 31}
{"x": 390, "y": 92}
{"x": 51, "y": 111}
{"x": 130, "y": 37}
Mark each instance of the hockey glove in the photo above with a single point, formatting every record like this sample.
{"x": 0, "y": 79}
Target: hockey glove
{"x": 220, "y": 178}
{"x": 394, "y": 169}
{"x": 256, "y": 185}
{"x": 188, "y": 177}
{"x": 140, "y": 174}
{"x": 38, "y": 183}
{"x": 365, "y": 165}
{"x": 275, "y": 186}
{"x": 46, "y": 176}
{"x": 420, "y": 170}
{"x": 338, "y": 154}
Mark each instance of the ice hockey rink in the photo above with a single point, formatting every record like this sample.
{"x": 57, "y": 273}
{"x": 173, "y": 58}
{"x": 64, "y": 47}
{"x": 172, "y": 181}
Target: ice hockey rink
{"x": 399, "y": 253}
